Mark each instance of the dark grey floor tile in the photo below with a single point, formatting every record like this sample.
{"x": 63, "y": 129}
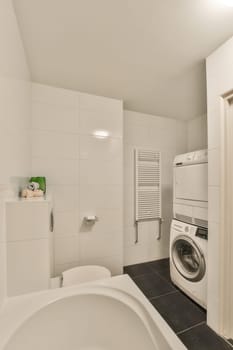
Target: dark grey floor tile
{"x": 179, "y": 311}
{"x": 162, "y": 267}
{"x": 138, "y": 269}
{"x": 160, "y": 264}
{"x": 203, "y": 338}
{"x": 164, "y": 272}
{"x": 152, "y": 285}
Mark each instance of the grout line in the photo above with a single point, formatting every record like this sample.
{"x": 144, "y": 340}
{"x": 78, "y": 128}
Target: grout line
{"x": 188, "y": 329}
{"x": 162, "y": 277}
{"x": 150, "y": 272}
{"x": 163, "y": 295}
{"x": 173, "y": 292}
{"x": 142, "y": 274}
{"x": 198, "y": 324}
{"x": 227, "y": 341}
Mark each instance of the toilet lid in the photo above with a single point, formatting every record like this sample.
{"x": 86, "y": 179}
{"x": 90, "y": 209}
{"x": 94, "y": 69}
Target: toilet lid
{"x": 83, "y": 274}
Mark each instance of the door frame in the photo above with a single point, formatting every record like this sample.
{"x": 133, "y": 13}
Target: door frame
{"x": 226, "y": 217}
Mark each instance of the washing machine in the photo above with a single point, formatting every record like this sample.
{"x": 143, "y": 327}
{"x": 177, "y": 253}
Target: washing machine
{"x": 188, "y": 260}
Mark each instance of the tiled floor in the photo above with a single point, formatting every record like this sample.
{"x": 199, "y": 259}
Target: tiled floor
{"x": 185, "y": 317}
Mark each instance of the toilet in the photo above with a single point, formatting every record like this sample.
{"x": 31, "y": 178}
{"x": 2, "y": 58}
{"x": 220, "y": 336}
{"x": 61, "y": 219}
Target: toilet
{"x": 83, "y": 274}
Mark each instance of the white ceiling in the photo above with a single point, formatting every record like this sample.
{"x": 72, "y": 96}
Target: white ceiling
{"x": 150, "y": 53}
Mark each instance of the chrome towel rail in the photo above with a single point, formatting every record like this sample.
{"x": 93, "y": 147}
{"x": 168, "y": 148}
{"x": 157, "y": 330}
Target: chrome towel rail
{"x": 160, "y": 220}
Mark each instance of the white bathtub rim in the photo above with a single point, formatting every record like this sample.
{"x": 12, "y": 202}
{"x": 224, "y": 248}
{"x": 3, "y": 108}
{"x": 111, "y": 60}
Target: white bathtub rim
{"x": 106, "y": 291}
{"x": 17, "y": 310}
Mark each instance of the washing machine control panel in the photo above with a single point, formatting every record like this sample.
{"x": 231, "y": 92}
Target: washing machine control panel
{"x": 187, "y": 229}
{"x": 202, "y": 233}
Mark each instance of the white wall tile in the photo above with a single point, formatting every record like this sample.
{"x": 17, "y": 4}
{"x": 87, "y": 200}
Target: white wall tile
{"x": 167, "y": 166}
{"x": 15, "y": 97}
{"x": 53, "y": 96}
{"x": 135, "y": 254}
{"x": 181, "y": 136}
{"x": 56, "y": 171}
{"x": 130, "y": 235}
{"x": 129, "y": 206}
{"x": 53, "y": 117}
{"x": 197, "y": 133}
{"x": 16, "y": 115}
{"x": 109, "y": 220}
{"x": 66, "y": 250}
{"x": 100, "y": 103}
{"x": 100, "y": 196}
{"x": 53, "y": 144}
{"x": 136, "y": 135}
{"x": 148, "y": 247}
{"x": 14, "y": 153}
{"x": 167, "y": 136}
{"x": 84, "y": 173}
{"x": 98, "y": 245}
{"x": 65, "y": 197}
{"x": 65, "y": 223}
{"x": 158, "y": 249}
{"x": 165, "y": 139}
{"x": 94, "y": 120}
{"x": 104, "y": 149}
{"x": 21, "y": 256}
{"x": 23, "y": 222}
{"x": 97, "y": 172}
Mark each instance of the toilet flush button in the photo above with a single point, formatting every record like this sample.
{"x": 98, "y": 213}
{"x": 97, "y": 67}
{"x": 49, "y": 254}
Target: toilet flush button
{"x": 186, "y": 229}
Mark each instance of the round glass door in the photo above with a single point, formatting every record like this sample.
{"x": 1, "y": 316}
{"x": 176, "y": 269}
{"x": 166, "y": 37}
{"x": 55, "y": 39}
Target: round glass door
{"x": 188, "y": 259}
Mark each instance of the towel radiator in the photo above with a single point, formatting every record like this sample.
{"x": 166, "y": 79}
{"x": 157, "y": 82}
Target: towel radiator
{"x": 147, "y": 188}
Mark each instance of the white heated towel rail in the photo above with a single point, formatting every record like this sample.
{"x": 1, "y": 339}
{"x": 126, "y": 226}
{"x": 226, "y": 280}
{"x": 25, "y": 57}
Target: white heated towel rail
{"x": 147, "y": 187}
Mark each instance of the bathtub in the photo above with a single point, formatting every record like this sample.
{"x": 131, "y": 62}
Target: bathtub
{"x": 111, "y": 314}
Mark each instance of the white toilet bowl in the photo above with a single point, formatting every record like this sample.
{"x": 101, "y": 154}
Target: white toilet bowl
{"x": 82, "y": 274}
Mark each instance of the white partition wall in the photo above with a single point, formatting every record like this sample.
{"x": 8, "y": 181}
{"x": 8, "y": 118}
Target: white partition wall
{"x": 15, "y": 106}
{"x": 77, "y": 145}
{"x": 219, "y": 84}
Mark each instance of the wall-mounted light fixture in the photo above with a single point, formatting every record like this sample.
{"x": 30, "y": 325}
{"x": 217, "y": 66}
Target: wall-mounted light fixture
{"x": 101, "y": 134}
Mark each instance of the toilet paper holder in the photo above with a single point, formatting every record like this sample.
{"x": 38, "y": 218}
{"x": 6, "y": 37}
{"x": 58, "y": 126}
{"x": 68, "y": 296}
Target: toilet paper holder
{"x": 90, "y": 219}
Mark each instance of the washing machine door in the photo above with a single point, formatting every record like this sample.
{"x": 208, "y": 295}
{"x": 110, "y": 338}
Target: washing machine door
{"x": 188, "y": 259}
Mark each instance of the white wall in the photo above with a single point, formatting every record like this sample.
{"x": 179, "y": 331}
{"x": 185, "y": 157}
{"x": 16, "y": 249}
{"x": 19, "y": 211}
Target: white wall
{"x": 14, "y": 117}
{"x": 197, "y": 133}
{"x": 170, "y": 137}
{"x": 84, "y": 173}
{"x": 219, "y": 82}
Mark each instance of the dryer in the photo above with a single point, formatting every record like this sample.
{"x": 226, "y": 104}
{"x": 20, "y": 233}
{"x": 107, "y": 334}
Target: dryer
{"x": 190, "y": 199}
{"x": 188, "y": 260}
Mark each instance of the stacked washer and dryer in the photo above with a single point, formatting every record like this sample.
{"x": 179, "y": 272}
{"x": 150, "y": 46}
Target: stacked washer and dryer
{"x": 189, "y": 228}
